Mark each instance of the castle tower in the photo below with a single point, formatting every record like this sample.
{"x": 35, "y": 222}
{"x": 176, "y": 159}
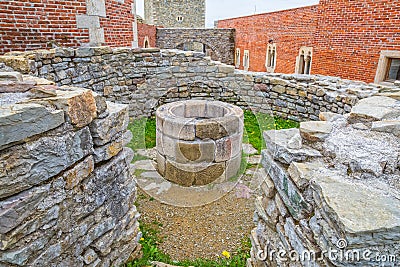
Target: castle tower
{"x": 175, "y": 13}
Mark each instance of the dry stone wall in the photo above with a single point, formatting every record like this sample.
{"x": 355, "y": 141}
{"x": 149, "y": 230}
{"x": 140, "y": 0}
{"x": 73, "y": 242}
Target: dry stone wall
{"x": 330, "y": 196}
{"x": 147, "y": 78}
{"x": 66, "y": 187}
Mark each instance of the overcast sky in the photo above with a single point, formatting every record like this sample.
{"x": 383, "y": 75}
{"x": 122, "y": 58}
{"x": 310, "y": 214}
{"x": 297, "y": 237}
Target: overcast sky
{"x": 221, "y": 9}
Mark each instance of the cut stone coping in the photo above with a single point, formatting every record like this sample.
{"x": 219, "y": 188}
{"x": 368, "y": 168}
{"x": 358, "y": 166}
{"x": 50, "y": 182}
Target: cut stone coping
{"x": 199, "y": 141}
{"x": 358, "y": 208}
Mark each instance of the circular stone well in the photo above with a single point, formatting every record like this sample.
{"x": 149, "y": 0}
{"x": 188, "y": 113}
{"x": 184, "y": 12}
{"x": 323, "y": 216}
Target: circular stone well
{"x": 199, "y": 141}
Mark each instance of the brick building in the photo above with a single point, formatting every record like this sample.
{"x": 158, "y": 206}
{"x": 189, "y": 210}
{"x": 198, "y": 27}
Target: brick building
{"x": 357, "y": 40}
{"x": 35, "y": 24}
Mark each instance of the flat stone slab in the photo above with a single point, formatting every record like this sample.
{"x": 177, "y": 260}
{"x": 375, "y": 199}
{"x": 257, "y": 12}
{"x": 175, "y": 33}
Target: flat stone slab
{"x": 78, "y": 104}
{"x": 278, "y": 142}
{"x": 20, "y": 121}
{"x": 392, "y": 126}
{"x": 358, "y": 208}
{"x": 315, "y": 130}
{"x": 375, "y": 108}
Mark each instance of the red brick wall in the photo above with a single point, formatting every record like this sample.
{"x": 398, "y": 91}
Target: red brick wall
{"x": 147, "y": 30}
{"x": 351, "y": 34}
{"x": 26, "y": 25}
{"x": 118, "y": 27}
{"x": 289, "y": 29}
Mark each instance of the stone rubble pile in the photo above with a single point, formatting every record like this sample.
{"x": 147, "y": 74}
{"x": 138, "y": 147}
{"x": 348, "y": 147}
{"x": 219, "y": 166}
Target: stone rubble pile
{"x": 66, "y": 187}
{"x": 332, "y": 189}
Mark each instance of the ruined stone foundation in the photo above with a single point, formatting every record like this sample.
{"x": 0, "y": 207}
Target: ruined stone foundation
{"x": 331, "y": 192}
{"x": 66, "y": 189}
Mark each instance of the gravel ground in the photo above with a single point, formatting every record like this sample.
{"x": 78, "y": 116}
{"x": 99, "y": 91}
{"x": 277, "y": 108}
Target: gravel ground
{"x": 200, "y": 232}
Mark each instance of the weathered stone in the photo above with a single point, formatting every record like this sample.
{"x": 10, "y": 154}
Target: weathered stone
{"x": 359, "y": 209}
{"x": 387, "y": 126}
{"x": 19, "y": 63}
{"x": 192, "y": 174}
{"x": 18, "y": 122}
{"x": 392, "y": 94}
{"x": 17, "y": 208}
{"x": 16, "y": 86}
{"x": 78, "y": 172}
{"x": 233, "y": 167}
{"x": 277, "y": 142}
{"x": 104, "y": 130}
{"x": 112, "y": 148}
{"x": 315, "y": 130}
{"x": 328, "y": 116}
{"x": 375, "y": 108}
{"x": 78, "y": 104}
{"x": 363, "y": 152}
{"x": 183, "y": 129}
{"x": 302, "y": 173}
{"x": 228, "y": 147}
{"x": 89, "y": 256}
{"x": 24, "y": 166}
{"x": 289, "y": 193}
{"x": 11, "y": 76}
{"x": 194, "y": 151}
{"x": 210, "y": 128}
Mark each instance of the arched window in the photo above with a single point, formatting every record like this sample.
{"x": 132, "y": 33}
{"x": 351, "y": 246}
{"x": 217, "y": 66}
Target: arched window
{"x": 304, "y": 60}
{"x": 237, "y": 58}
{"x": 270, "y": 59}
{"x": 246, "y": 60}
{"x": 146, "y": 43}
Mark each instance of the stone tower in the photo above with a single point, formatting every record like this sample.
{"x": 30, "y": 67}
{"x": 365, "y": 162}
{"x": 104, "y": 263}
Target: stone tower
{"x": 175, "y": 13}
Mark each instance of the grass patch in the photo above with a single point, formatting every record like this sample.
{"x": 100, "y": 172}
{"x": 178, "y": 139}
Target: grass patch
{"x": 151, "y": 239}
{"x": 144, "y": 133}
{"x": 256, "y": 124}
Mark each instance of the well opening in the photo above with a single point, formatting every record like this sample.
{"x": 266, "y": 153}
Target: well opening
{"x": 199, "y": 142}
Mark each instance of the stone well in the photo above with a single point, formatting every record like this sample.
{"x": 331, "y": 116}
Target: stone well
{"x": 199, "y": 141}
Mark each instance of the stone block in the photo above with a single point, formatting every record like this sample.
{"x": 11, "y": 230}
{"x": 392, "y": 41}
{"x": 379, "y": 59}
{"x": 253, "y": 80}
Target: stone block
{"x": 20, "y": 121}
{"x": 233, "y": 167}
{"x": 302, "y": 173}
{"x": 19, "y": 63}
{"x": 290, "y": 194}
{"x": 228, "y": 147}
{"x": 78, "y": 172}
{"x": 96, "y": 36}
{"x": 111, "y": 149}
{"x": 193, "y": 174}
{"x": 10, "y": 76}
{"x": 24, "y": 166}
{"x": 87, "y": 22}
{"x": 78, "y": 104}
{"x": 194, "y": 151}
{"x": 390, "y": 126}
{"x": 359, "y": 209}
{"x": 374, "y": 109}
{"x": 315, "y": 130}
{"x": 96, "y": 8}
{"x": 161, "y": 164}
{"x": 106, "y": 129}
{"x": 16, "y": 209}
{"x": 194, "y": 109}
{"x": 181, "y": 128}
{"x": 277, "y": 142}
